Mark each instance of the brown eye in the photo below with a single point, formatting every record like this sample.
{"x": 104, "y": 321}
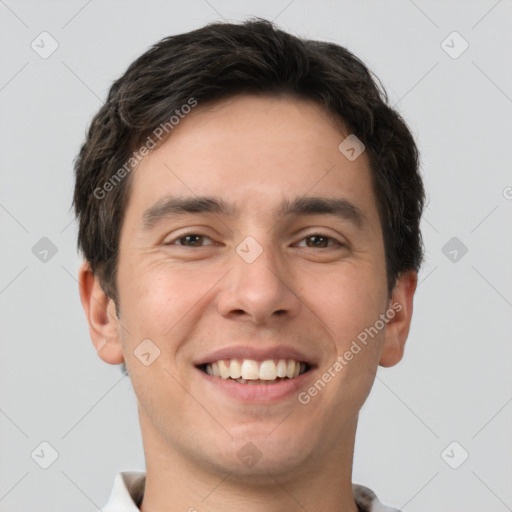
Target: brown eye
{"x": 317, "y": 241}
{"x": 320, "y": 241}
{"x": 190, "y": 240}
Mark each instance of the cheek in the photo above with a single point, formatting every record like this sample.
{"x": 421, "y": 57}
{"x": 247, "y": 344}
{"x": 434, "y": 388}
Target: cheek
{"x": 164, "y": 305}
{"x": 156, "y": 305}
{"x": 158, "y": 296}
{"x": 346, "y": 300}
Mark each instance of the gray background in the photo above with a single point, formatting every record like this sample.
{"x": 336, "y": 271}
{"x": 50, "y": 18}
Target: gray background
{"x": 454, "y": 383}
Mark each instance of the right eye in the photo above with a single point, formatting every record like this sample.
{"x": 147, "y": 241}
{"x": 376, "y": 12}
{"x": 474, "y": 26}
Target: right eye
{"x": 189, "y": 240}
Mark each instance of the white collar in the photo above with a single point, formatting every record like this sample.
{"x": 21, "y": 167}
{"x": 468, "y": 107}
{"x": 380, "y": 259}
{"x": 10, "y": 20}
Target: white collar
{"x": 128, "y": 490}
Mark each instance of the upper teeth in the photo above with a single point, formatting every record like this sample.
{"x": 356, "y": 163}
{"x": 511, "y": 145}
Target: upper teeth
{"x": 249, "y": 369}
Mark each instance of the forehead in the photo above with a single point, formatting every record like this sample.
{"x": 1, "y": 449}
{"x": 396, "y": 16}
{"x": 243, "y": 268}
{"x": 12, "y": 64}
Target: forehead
{"x": 252, "y": 150}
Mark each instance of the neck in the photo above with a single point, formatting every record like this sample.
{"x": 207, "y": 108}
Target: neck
{"x": 176, "y": 482}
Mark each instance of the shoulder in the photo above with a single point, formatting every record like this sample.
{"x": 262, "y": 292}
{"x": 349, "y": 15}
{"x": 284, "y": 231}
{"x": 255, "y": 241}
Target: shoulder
{"x": 367, "y": 500}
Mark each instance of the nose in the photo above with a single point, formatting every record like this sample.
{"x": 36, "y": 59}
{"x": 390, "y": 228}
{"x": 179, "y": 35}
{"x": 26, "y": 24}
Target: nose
{"x": 259, "y": 291}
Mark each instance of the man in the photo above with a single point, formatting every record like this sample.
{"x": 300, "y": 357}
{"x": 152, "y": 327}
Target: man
{"x": 249, "y": 212}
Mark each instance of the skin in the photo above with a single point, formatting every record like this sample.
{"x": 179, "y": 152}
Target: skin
{"x": 189, "y": 300}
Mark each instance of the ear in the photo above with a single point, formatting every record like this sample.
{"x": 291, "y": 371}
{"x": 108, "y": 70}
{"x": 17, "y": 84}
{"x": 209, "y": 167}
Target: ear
{"x": 101, "y": 316}
{"x": 397, "y": 328}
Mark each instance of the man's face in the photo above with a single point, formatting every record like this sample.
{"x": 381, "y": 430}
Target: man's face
{"x": 253, "y": 286}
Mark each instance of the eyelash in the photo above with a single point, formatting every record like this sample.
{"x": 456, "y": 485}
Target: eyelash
{"x": 311, "y": 235}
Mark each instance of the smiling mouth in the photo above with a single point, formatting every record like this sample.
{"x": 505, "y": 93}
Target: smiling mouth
{"x": 249, "y": 371}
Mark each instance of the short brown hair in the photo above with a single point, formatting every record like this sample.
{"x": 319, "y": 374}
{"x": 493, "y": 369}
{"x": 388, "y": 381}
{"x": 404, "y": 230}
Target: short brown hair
{"x": 222, "y": 60}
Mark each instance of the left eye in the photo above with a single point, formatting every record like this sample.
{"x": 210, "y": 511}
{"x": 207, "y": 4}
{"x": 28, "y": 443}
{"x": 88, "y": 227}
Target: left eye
{"x": 321, "y": 241}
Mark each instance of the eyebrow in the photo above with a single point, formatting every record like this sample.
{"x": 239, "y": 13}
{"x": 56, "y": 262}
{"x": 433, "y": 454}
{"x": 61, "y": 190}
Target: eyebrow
{"x": 174, "y": 206}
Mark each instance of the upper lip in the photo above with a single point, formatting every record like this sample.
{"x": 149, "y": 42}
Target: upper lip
{"x": 257, "y": 354}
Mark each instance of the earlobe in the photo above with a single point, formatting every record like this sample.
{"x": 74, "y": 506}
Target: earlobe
{"x": 400, "y": 315}
{"x": 101, "y": 316}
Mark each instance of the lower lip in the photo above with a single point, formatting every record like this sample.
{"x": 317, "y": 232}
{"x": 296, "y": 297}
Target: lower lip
{"x": 258, "y": 393}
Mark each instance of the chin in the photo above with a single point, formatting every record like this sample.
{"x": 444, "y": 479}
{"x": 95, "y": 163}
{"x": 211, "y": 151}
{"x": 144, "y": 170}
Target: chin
{"x": 255, "y": 455}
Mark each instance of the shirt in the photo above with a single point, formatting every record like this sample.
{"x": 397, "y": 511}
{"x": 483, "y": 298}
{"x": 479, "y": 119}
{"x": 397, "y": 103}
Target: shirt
{"x": 128, "y": 491}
